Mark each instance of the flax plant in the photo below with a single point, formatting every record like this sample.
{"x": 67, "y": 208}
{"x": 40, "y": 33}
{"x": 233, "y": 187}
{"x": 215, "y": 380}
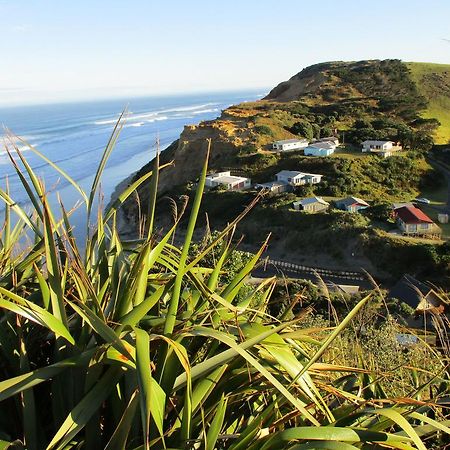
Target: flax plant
{"x": 139, "y": 345}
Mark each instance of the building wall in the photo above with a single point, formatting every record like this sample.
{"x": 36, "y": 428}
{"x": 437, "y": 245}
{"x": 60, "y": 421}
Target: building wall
{"x": 289, "y": 146}
{"x": 311, "y": 208}
{"x": 316, "y": 207}
{"x": 414, "y": 228}
{"x": 385, "y": 146}
{"x": 294, "y": 181}
{"x": 313, "y": 151}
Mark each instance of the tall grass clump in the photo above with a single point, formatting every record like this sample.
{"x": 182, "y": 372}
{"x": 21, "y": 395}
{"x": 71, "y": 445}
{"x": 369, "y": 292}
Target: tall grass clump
{"x": 139, "y": 345}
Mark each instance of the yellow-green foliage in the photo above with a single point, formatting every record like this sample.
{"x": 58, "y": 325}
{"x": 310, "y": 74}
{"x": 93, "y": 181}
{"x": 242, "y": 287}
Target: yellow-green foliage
{"x": 433, "y": 82}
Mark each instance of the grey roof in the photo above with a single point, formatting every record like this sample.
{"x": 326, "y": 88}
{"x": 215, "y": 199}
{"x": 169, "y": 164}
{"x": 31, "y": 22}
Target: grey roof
{"x": 229, "y": 179}
{"x": 306, "y": 174}
{"x": 291, "y": 141}
{"x": 290, "y": 173}
{"x": 311, "y": 200}
{"x": 328, "y": 138}
{"x": 401, "y": 204}
{"x": 351, "y": 200}
{"x": 411, "y": 291}
{"x": 375, "y": 142}
{"x": 322, "y": 145}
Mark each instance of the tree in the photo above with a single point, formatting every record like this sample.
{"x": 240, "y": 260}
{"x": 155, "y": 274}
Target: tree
{"x": 303, "y": 128}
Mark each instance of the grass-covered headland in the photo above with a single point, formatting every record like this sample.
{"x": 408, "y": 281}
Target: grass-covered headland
{"x": 145, "y": 344}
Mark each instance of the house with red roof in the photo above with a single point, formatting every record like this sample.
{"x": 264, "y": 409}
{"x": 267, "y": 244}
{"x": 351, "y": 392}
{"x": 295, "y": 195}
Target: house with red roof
{"x": 413, "y": 221}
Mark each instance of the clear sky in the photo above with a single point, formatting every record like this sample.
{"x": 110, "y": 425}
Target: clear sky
{"x": 54, "y": 50}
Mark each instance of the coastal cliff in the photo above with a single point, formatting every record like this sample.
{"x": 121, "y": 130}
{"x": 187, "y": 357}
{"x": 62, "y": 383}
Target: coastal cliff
{"x": 364, "y": 99}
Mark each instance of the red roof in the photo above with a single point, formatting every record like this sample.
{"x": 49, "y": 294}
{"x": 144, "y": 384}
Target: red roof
{"x": 411, "y": 214}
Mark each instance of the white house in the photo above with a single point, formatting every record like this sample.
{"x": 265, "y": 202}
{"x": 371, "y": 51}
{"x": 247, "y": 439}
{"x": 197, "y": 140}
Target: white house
{"x": 382, "y": 148}
{"x": 289, "y": 145}
{"x": 230, "y": 182}
{"x": 295, "y": 178}
{"x": 320, "y": 149}
{"x": 370, "y": 146}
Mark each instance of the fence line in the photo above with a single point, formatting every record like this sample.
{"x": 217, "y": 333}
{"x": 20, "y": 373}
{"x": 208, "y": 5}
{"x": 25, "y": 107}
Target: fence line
{"x": 316, "y": 270}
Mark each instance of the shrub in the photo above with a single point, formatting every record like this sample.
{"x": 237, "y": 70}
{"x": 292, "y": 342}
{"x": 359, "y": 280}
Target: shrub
{"x": 264, "y": 129}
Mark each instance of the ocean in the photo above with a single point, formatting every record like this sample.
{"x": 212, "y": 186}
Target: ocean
{"x": 74, "y": 135}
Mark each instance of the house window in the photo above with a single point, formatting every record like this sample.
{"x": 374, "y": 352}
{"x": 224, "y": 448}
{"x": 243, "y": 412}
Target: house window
{"x": 289, "y": 180}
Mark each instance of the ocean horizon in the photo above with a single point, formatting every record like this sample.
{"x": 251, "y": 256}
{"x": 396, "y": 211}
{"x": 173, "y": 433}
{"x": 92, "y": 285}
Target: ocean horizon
{"x": 74, "y": 134}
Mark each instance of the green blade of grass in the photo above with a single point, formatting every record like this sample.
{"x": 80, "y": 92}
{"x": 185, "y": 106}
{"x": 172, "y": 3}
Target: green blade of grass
{"x": 123, "y": 196}
{"x": 101, "y": 167}
{"x": 20, "y": 383}
{"x": 398, "y": 418}
{"x": 153, "y": 195}
{"x": 54, "y": 272}
{"x": 332, "y": 337}
{"x": 119, "y": 437}
{"x": 34, "y": 200}
{"x": 216, "y": 425}
{"x": 152, "y": 397}
{"x": 279, "y": 439}
{"x": 19, "y": 211}
{"x": 101, "y": 328}
{"x": 34, "y": 313}
{"x": 174, "y": 301}
{"x": 327, "y": 445}
{"x": 84, "y": 410}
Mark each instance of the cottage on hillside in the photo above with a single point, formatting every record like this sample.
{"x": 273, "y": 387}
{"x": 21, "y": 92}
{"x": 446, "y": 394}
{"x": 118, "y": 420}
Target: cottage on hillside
{"x": 274, "y": 187}
{"x": 382, "y": 148}
{"x": 311, "y": 204}
{"x": 430, "y": 307}
{"x": 296, "y": 178}
{"x": 320, "y": 149}
{"x": 289, "y": 145}
{"x": 352, "y": 204}
{"x": 414, "y": 222}
{"x": 228, "y": 181}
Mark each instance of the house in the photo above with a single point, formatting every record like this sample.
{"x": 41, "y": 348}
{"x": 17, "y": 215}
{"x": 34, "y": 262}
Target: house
{"x": 225, "y": 179}
{"x": 274, "y": 187}
{"x": 368, "y": 146}
{"x": 296, "y": 178}
{"x": 289, "y": 145}
{"x": 342, "y": 288}
{"x": 311, "y": 204}
{"x": 411, "y": 291}
{"x": 351, "y": 204}
{"x": 382, "y": 148}
{"x": 431, "y": 308}
{"x": 330, "y": 139}
{"x": 320, "y": 149}
{"x": 413, "y": 221}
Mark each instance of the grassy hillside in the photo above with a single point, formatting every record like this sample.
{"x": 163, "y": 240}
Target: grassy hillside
{"x": 433, "y": 82}
{"x": 356, "y": 100}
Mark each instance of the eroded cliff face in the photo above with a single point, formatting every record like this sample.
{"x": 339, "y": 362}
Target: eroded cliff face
{"x": 228, "y": 134}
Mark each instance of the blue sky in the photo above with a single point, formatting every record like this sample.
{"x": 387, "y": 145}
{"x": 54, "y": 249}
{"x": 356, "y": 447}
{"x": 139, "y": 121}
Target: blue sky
{"x": 64, "y": 50}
